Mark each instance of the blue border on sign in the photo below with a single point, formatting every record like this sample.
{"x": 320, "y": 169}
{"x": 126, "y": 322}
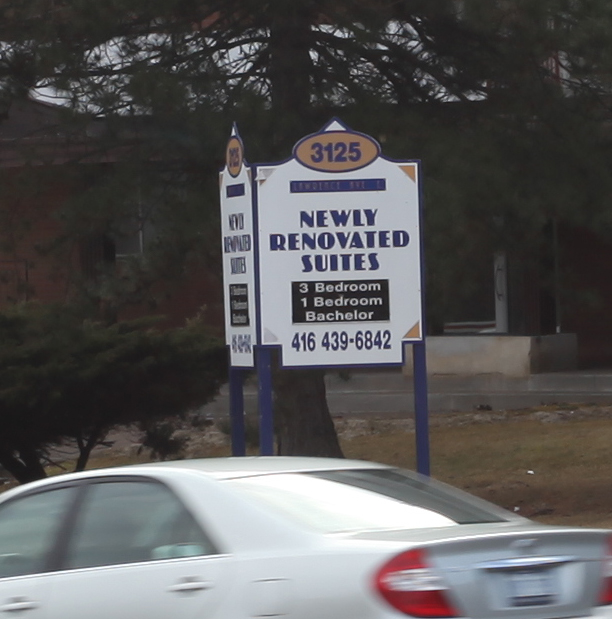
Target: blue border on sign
{"x": 403, "y": 342}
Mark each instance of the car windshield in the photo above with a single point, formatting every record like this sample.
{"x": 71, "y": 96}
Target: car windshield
{"x": 342, "y": 501}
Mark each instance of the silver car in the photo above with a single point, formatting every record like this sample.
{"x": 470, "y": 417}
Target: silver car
{"x": 301, "y": 538}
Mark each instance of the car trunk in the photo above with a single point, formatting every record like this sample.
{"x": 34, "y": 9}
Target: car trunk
{"x": 500, "y": 571}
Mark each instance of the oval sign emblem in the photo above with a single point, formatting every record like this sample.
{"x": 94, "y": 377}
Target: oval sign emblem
{"x": 336, "y": 151}
{"x": 234, "y": 156}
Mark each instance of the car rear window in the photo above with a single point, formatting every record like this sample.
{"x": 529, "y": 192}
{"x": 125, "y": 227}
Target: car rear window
{"x": 345, "y": 501}
{"x": 413, "y": 489}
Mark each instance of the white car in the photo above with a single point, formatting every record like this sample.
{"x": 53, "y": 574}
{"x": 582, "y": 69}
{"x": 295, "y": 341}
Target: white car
{"x": 302, "y": 538}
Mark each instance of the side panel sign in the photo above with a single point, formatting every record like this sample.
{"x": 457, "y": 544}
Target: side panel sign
{"x": 238, "y": 256}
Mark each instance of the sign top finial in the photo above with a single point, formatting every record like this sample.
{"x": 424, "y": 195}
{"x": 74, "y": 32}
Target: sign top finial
{"x": 234, "y": 153}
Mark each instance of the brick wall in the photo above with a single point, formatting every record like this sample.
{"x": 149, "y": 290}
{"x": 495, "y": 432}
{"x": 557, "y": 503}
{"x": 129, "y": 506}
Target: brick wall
{"x": 29, "y": 205}
{"x": 28, "y": 225}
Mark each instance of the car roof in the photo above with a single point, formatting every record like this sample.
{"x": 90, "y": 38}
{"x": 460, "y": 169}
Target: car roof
{"x": 214, "y": 468}
{"x": 226, "y": 468}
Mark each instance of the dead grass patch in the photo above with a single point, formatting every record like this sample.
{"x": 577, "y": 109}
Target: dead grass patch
{"x": 559, "y": 472}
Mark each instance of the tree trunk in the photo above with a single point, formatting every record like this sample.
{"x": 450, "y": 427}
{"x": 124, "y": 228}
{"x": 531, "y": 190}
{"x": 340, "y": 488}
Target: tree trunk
{"x": 86, "y": 446}
{"x": 289, "y": 71}
{"x": 304, "y": 424}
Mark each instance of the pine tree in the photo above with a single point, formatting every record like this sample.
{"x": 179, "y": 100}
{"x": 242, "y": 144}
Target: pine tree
{"x": 65, "y": 380}
{"x": 474, "y": 88}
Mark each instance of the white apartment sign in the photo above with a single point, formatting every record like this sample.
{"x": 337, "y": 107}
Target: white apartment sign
{"x": 339, "y": 254}
{"x": 238, "y": 255}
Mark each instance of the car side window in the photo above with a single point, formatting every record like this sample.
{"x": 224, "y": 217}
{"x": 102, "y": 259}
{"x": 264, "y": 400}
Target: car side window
{"x": 28, "y": 530}
{"x": 133, "y": 521}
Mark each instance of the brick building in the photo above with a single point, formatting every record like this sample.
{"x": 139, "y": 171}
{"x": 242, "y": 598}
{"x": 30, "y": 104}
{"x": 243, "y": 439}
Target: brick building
{"x": 38, "y": 163}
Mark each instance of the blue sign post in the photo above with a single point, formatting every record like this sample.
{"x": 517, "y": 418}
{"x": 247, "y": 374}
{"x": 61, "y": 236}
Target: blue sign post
{"x": 236, "y": 399}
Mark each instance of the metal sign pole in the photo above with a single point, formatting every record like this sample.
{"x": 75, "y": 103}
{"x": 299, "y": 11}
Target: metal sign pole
{"x": 421, "y": 416}
{"x": 266, "y": 414}
{"x": 419, "y": 364}
{"x": 236, "y": 403}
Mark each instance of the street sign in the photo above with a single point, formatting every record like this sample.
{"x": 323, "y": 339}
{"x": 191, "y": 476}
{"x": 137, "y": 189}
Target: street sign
{"x": 238, "y": 255}
{"x": 339, "y": 252}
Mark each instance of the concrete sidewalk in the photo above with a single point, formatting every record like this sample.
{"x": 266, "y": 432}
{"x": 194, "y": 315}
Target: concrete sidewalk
{"x": 389, "y": 392}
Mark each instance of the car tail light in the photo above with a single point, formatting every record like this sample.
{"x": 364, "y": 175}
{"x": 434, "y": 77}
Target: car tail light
{"x": 605, "y": 597}
{"x": 411, "y": 586}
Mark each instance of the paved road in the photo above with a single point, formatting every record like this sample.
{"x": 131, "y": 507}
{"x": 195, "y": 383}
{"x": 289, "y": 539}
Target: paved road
{"x": 390, "y": 392}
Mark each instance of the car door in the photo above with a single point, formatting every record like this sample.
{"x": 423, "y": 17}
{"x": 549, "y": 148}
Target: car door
{"x": 30, "y": 527}
{"x": 136, "y": 551}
